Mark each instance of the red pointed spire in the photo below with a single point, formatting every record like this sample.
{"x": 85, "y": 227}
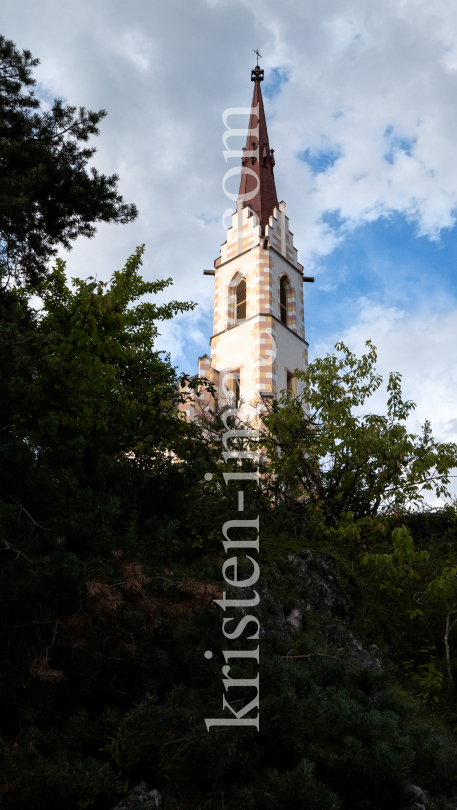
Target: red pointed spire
{"x": 257, "y": 187}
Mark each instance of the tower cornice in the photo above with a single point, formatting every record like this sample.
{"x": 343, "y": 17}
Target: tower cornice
{"x": 253, "y": 247}
{"x": 260, "y": 315}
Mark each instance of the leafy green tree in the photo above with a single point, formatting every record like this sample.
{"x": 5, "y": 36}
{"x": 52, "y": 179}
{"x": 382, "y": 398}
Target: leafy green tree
{"x": 105, "y": 596}
{"x": 48, "y": 196}
{"x": 94, "y": 454}
{"x": 106, "y": 336}
{"x": 355, "y": 481}
{"x": 429, "y": 588}
{"x": 349, "y": 475}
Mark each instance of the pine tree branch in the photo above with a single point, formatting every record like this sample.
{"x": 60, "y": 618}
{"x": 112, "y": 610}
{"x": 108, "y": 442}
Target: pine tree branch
{"x": 53, "y": 638}
{"x": 27, "y": 624}
{"x": 170, "y": 742}
{"x": 18, "y": 342}
{"x": 9, "y": 547}
{"x": 22, "y": 509}
{"x": 320, "y": 655}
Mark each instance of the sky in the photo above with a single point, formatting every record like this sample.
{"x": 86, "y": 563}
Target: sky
{"x": 361, "y": 104}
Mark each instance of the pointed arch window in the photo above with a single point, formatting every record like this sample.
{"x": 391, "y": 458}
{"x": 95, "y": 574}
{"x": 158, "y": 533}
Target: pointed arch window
{"x": 232, "y": 385}
{"x": 241, "y": 301}
{"x": 283, "y": 300}
{"x": 291, "y": 384}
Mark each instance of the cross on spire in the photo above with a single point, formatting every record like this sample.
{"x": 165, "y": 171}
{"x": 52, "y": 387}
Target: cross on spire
{"x": 257, "y": 73}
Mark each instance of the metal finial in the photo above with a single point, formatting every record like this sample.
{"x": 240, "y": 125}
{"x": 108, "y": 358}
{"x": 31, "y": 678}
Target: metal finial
{"x": 257, "y": 73}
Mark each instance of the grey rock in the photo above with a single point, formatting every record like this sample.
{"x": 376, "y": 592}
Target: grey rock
{"x": 142, "y": 796}
{"x": 416, "y": 797}
{"x": 367, "y": 658}
{"x": 336, "y": 636}
{"x": 295, "y": 618}
{"x": 269, "y": 611}
{"x": 322, "y": 593}
{"x": 325, "y": 597}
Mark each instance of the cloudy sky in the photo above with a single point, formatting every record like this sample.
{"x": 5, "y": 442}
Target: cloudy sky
{"x": 361, "y": 99}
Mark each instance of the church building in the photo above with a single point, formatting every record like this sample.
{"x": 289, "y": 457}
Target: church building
{"x": 259, "y": 325}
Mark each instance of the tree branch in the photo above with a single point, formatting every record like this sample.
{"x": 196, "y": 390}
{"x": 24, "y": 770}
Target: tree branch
{"x": 28, "y": 624}
{"x": 320, "y": 655}
{"x": 9, "y": 547}
{"x": 22, "y": 509}
{"x": 446, "y": 642}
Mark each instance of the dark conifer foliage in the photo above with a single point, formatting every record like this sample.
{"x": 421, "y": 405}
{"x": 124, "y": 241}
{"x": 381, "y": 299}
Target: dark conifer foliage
{"x": 48, "y": 196}
{"x": 109, "y": 565}
{"x": 89, "y": 501}
{"x": 110, "y": 540}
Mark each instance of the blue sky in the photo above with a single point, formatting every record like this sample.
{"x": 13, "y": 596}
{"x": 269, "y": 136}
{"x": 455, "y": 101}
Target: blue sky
{"x": 388, "y": 262}
{"x": 385, "y": 261}
{"x": 386, "y": 283}
{"x": 361, "y": 103}
{"x": 321, "y": 159}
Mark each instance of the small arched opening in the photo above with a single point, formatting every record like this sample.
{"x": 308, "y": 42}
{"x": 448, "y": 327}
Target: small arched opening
{"x": 283, "y": 299}
{"x": 241, "y": 301}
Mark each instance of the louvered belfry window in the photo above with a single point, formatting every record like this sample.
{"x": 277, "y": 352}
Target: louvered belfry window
{"x": 241, "y": 301}
{"x": 283, "y": 300}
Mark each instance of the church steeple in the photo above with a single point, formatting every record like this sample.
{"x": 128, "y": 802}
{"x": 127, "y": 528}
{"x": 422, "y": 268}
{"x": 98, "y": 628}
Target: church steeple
{"x": 259, "y": 326}
{"x": 257, "y": 187}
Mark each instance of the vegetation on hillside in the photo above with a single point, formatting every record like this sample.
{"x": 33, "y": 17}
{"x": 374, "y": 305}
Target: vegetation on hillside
{"x": 111, "y": 559}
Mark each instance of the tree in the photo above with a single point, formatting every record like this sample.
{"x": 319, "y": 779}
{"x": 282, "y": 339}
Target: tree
{"x": 48, "y": 197}
{"x": 348, "y": 475}
{"x": 92, "y": 452}
{"x": 104, "y": 596}
{"x": 331, "y": 737}
{"x": 359, "y": 480}
{"x": 429, "y": 588}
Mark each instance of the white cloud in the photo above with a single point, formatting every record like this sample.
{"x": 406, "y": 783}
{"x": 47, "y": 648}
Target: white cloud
{"x": 366, "y": 79}
{"x": 421, "y": 346}
{"x": 137, "y": 47}
{"x": 166, "y": 71}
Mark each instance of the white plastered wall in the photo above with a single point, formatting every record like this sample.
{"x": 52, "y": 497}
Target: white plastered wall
{"x": 260, "y": 347}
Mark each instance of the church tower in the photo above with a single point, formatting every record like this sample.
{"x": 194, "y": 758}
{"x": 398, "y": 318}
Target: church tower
{"x": 259, "y": 329}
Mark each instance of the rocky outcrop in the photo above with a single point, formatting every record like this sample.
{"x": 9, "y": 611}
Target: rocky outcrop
{"x": 325, "y": 597}
{"x": 142, "y": 796}
{"x": 269, "y": 611}
{"x": 416, "y": 797}
{"x": 336, "y": 636}
{"x": 321, "y": 592}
